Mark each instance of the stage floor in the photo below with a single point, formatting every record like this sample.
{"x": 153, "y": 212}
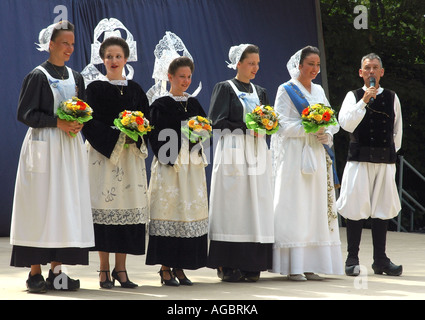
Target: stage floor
{"x": 407, "y": 249}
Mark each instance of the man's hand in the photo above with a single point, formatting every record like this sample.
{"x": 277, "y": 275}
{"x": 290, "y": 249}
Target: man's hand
{"x": 369, "y": 93}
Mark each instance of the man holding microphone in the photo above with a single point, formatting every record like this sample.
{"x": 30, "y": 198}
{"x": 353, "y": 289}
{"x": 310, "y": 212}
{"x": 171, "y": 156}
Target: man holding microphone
{"x": 372, "y": 116}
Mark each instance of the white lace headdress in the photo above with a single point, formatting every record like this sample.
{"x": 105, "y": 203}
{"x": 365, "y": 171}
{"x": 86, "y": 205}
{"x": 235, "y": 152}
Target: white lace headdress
{"x": 45, "y": 36}
{"x": 293, "y": 65}
{"x": 110, "y": 28}
{"x": 235, "y": 54}
{"x": 166, "y": 50}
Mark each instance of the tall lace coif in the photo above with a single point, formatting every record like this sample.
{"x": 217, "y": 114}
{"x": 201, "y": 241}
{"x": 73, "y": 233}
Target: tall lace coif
{"x": 166, "y": 50}
{"x": 110, "y": 28}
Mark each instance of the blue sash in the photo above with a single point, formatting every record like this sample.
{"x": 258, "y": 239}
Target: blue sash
{"x": 301, "y": 103}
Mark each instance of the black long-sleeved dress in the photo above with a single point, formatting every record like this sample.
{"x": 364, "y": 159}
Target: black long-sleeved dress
{"x": 118, "y": 182}
{"x": 51, "y": 219}
{"x": 244, "y": 248}
{"x": 178, "y": 192}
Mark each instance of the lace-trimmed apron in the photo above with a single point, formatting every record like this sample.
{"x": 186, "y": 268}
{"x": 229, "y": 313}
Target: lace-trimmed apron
{"x": 52, "y": 207}
{"x": 178, "y": 195}
{"x": 241, "y": 206}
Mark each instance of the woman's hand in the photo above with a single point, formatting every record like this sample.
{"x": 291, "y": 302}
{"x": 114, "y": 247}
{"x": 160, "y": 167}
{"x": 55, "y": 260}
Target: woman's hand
{"x": 69, "y": 126}
{"x": 129, "y": 140}
{"x": 255, "y": 134}
{"x": 323, "y": 137}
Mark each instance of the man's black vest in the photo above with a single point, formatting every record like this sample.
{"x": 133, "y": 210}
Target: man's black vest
{"x": 373, "y": 139}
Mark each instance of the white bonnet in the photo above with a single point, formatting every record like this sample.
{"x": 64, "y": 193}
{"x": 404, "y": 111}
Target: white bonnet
{"x": 235, "y": 54}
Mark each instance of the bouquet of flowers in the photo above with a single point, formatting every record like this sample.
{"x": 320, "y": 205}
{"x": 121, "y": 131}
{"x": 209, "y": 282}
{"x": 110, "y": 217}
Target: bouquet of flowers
{"x": 133, "y": 124}
{"x": 74, "y": 109}
{"x": 197, "y": 129}
{"x": 316, "y": 116}
{"x": 262, "y": 118}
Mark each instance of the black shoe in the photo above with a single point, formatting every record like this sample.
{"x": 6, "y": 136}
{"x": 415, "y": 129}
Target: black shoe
{"x": 126, "y": 284}
{"x": 36, "y": 283}
{"x": 390, "y": 269}
{"x": 183, "y": 281}
{"x": 107, "y": 284}
{"x": 251, "y": 276}
{"x": 232, "y": 275}
{"x": 170, "y": 282}
{"x": 353, "y": 270}
{"x": 64, "y": 283}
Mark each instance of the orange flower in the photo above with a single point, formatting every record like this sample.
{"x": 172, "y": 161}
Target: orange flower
{"x": 191, "y": 123}
{"x": 139, "y": 120}
{"x": 81, "y": 104}
{"x": 326, "y": 116}
{"x": 207, "y": 127}
{"x": 306, "y": 111}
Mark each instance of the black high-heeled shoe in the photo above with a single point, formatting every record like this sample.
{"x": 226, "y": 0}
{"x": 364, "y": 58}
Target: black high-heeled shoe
{"x": 170, "y": 282}
{"x": 126, "y": 284}
{"x": 107, "y": 284}
{"x": 183, "y": 281}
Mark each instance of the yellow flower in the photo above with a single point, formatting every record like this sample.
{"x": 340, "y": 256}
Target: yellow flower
{"x": 269, "y": 125}
{"x": 125, "y": 121}
{"x": 317, "y": 117}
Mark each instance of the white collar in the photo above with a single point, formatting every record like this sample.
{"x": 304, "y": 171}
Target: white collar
{"x": 123, "y": 82}
{"x": 184, "y": 97}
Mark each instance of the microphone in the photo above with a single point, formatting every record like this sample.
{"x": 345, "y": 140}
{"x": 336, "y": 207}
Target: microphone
{"x": 372, "y": 84}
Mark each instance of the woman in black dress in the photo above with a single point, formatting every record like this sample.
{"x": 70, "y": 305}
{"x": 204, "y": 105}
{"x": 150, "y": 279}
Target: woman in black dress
{"x": 241, "y": 196}
{"x": 178, "y": 192}
{"x": 118, "y": 180}
{"x": 51, "y": 220}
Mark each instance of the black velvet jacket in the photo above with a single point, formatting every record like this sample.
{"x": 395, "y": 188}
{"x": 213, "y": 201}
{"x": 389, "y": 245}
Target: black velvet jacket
{"x": 107, "y": 102}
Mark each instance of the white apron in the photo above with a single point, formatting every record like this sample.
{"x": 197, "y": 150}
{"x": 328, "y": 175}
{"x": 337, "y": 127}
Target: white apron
{"x": 241, "y": 197}
{"x": 51, "y": 207}
{"x": 178, "y": 196}
{"x": 118, "y": 186}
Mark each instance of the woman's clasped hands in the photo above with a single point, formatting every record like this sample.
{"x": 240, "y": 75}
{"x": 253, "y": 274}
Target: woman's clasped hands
{"x": 322, "y": 136}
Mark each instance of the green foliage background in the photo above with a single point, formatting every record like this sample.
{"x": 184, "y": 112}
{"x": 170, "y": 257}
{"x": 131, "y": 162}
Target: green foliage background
{"x": 395, "y": 31}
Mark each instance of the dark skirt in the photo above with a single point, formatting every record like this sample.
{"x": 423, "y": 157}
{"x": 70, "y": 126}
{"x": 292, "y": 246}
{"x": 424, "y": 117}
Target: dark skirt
{"x": 27, "y": 256}
{"x": 246, "y": 256}
{"x": 181, "y": 253}
{"x": 130, "y": 239}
